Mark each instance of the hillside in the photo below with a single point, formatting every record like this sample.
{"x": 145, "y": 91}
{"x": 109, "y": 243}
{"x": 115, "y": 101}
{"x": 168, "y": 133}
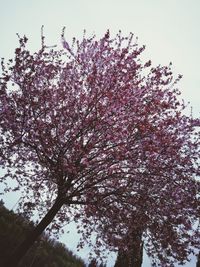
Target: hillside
{"x": 45, "y": 253}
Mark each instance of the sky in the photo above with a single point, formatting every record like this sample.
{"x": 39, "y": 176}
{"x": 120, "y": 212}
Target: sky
{"x": 169, "y": 29}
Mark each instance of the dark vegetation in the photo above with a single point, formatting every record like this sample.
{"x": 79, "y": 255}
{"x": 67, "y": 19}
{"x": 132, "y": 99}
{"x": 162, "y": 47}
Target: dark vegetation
{"x": 46, "y": 252}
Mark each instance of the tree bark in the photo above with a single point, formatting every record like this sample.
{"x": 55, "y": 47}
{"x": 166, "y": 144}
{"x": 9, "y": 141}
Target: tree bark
{"x": 198, "y": 261}
{"x": 23, "y": 248}
{"x": 132, "y": 257}
{"x": 136, "y": 252}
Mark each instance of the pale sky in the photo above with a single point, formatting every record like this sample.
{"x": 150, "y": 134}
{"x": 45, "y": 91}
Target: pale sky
{"x": 169, "y": 29}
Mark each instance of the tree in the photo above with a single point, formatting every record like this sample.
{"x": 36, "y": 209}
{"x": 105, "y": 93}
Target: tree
{"x": 162, "y": 185}
{"x": 90, "y": 125}
{"x": 161, "y": 213}
{"x": 159, "y": 208}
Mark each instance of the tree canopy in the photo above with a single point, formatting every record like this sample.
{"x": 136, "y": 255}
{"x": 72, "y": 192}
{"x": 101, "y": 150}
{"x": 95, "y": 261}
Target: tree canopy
{"x": 93, "y": 126}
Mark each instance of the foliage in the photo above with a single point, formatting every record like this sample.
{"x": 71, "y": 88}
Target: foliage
{"x": 92, "y": 125}
{"x": 46, "y": 251}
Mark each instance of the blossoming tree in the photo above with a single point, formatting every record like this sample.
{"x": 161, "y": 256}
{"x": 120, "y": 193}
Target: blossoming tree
{"x": 159, "y": 208}
{"x": 90, "y": 132}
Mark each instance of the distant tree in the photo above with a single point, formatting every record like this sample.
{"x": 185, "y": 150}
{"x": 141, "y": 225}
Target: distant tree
{"x": 90, "y": 125}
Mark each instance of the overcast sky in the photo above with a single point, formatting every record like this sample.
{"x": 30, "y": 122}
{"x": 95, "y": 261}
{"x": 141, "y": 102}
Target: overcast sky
{"x": 169, "y": 29}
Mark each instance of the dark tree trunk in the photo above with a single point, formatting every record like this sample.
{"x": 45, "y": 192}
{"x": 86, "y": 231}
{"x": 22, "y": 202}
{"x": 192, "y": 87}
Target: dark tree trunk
{"x": 132, "y": 257}
{"x": 136, "y": 252}
{"x": 122, "y": 259}
{"x": 198, "y": 261}
{"x": 23, "y": 248}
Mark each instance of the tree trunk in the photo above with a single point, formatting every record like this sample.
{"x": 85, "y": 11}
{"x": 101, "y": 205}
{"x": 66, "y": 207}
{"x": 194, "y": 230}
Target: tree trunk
{"x": 122, "y": 259}
{"x": 23, "y": 248}
{"x": 132, "y": 257}
{"x": 136, "y": 252}
{"x": 198, "y": 261}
